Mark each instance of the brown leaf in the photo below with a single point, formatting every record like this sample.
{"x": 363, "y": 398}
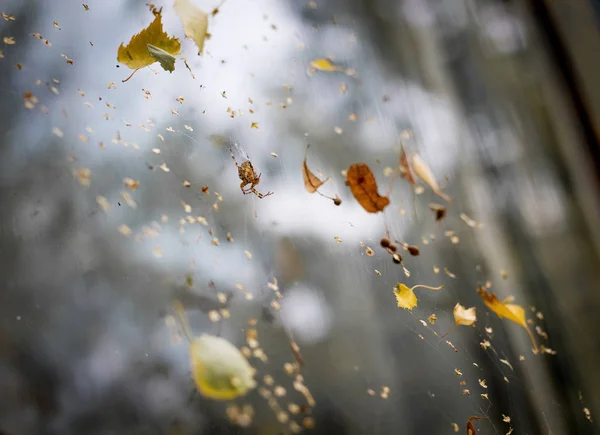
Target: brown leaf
{"x": 405, "y": 168}
{"x": 470, "y": 428}
{"x": 363, "y": 186}
{"x": 311, "y": 181}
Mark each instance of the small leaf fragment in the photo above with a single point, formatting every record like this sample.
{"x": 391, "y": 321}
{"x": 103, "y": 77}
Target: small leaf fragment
{"x": 363, "y": 186}
{"x": 439, "y": 210}
{"x": 195, "y": 22}
{"x": 405, "y": 296}
{"x": 323, "y": 65}
{"x": 512, "y": 312}
{"x": 166, "y": 60}
{"x": 464, "y": 316}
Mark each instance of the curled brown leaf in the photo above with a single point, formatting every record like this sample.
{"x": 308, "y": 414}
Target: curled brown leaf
{"x": 311, "y": 181}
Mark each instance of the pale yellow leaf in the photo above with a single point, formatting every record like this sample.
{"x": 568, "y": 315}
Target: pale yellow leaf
{"x": 195, "y": 22}
{"x": 423, "y": 171}
{"x": 464, "y": 316}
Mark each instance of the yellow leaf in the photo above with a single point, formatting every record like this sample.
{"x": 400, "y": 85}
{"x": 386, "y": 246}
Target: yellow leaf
{"x": 323, "y": 65}
{"x": 405, "y": 296}
{"x": 424, "y": 173}
{"x": 311, "y": 181}
{"x": 195, "y": 22}
{"x": 136, "y": 55}
{"x": 512, "y": 312}
{"x": 219, "y": 369}
{"x": 464, "y": 316}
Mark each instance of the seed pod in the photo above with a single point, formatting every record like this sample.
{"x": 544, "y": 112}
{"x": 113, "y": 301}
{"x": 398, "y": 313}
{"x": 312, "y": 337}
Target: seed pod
{"x": 385, "y": 242}
{"x": 397, "y": 258}
{"x": 413, "y": 250}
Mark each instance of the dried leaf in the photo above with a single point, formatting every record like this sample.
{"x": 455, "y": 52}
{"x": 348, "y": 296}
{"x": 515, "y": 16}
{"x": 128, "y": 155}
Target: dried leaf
{"x": 470, "y": 428}
{"x": 219, "y": 369}
{"x": 195, "y": 22}
{"x": 512, "y": 312}
{"x": 424, "y": 173}
{"x": 364, "y": 188}
{"x": 311, "y": 181}
{"x": 405, "y": 169}
{"x": 405, "y": 296}
{"x": 464, "y": 316}
{"x": 136, "y": 54}
{"x": 166, "y": 60}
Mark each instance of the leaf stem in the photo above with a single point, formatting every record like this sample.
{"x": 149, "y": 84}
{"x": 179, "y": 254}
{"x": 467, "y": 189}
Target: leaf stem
{"x": 426, "y": 286}
{"x": 131, "y": 75}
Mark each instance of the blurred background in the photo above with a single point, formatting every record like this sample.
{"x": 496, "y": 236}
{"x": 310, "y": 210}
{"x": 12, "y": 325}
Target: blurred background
{"x": 499, "y": 97}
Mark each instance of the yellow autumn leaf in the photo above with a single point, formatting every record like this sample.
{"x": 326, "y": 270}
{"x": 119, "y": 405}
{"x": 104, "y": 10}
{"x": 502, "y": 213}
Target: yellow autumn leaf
{"x": 136, "y": 54}
{"x": 219, "y": 369}
{"x": 323, "y": 65}
{"x": 464, "y": 316}
{"x": 405, "y": 296}
{"x": 512, "y": 312}
{"x": 423, "y": 171}
{"x": 195, "y": 22}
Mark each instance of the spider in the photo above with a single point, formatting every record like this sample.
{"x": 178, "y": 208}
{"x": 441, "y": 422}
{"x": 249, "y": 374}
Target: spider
{"x": 248, "y": 175}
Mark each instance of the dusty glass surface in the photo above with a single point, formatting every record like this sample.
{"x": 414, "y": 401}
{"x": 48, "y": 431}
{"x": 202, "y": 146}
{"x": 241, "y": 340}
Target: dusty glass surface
{"x": 119, "y": 199}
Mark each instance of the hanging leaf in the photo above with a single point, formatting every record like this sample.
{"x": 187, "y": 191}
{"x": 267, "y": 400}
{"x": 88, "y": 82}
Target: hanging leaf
{"x": 311, "y": 181}
{"x": 405, "y": 296}
{"x": 405, "y": 169}
{"x": 470, "y": 427}
{"x": 219, "y": 369}
{"x": 512, "y": 312}
{"x": 464, "y": 316}
{"x": 424, "y": 173}
{"x": 195, "y": 22}
{"x": 136, "y": 54}
{"x": 364, "y": 188}
{"x": 166, "y": 60}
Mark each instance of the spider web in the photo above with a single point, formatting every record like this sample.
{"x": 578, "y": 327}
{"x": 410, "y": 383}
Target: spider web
{"x": 305, "y": 270}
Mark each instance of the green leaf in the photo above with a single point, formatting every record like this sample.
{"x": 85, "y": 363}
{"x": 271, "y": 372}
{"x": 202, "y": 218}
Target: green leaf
{"x": 166, "y": 60}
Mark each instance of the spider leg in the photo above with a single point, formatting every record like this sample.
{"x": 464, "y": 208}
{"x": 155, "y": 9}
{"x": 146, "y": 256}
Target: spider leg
{"x": 261, "y": 195}
{"x": 233, "y": 157}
